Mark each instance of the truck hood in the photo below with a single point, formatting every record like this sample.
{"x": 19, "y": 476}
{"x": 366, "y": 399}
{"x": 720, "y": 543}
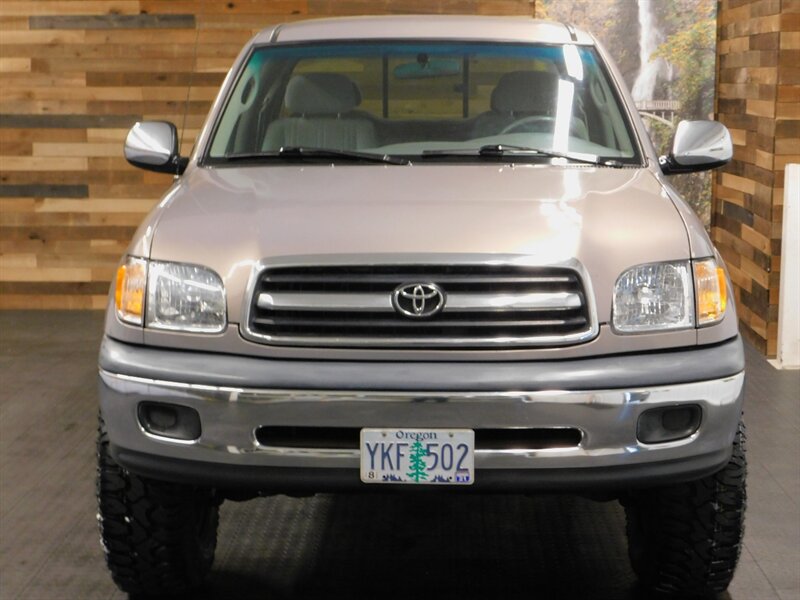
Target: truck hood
{"x": 229, "y": 219}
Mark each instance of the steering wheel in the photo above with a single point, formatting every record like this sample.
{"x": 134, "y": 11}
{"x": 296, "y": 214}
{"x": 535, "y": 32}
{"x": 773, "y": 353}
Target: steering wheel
{"x": 530, "y": 121}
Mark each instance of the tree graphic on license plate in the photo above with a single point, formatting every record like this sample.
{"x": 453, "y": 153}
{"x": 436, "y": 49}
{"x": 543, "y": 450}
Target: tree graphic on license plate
{"x": 417, "y": 460}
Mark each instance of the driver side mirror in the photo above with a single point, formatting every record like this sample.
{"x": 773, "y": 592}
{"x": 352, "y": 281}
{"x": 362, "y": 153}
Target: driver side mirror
{"x": 697, "y": 146}
{"x": 153, "y": 145}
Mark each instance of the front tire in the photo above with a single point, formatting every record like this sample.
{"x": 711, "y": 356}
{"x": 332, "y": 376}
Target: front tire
{"x": 159, "y": 537}
{"x": 685, "y": 539}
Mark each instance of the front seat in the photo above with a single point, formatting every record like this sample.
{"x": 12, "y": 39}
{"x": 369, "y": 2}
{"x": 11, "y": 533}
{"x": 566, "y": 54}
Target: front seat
{"x": 521, "y": 94}
{"x": 321, "y": 108}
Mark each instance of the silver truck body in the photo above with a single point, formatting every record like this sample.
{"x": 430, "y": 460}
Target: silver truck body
{"x": 243, "y": 220}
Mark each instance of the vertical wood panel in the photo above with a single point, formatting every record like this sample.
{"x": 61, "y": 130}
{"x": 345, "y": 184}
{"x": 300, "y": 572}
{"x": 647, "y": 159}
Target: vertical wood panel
{"x": 758, "y": 92}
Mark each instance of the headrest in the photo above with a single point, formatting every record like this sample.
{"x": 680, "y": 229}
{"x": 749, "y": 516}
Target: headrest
{"x": 525, "y": 92}
{"x": 321, "y": 94}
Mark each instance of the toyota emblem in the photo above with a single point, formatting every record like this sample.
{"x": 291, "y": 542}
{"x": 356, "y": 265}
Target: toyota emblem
{"x": 418, "y": 300}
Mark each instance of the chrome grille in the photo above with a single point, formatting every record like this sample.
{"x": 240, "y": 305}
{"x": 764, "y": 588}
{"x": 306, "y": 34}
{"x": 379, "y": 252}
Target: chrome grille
{"x": 485, "y": 305}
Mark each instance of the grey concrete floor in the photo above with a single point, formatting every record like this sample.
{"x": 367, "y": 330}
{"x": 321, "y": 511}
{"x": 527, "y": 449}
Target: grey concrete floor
{"x": 330, "y": 546}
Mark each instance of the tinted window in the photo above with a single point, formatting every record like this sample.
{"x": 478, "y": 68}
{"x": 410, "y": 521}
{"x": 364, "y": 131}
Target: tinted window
{"x": 408, "y": 98}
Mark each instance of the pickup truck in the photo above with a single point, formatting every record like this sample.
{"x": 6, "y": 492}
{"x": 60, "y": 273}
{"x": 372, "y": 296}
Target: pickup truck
{"x": 422, "y": 254}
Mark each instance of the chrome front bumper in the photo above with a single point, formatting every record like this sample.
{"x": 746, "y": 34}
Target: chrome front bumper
{"x": 230, "y": 415}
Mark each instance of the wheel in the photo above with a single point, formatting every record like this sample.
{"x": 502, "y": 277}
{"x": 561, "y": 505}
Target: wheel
{"x": 159, "y": 538}
{"x": 685, "y": 539}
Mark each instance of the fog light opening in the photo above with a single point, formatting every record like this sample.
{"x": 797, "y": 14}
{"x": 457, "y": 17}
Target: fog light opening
{"x": 668, "y": 423}
{"x": 169, "y": 420}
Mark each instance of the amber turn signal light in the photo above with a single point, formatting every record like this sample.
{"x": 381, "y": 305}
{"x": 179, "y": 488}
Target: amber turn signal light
{"x": 711, "y": 290}
{"x": 130, "y": 289}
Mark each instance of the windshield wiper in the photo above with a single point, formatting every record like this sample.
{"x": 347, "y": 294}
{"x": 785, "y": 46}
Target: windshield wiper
{"x": 501, "y": 150}
{"x": 301, "y": 152}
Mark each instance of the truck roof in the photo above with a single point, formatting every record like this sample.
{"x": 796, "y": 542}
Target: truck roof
{"x": 435, "y": 27}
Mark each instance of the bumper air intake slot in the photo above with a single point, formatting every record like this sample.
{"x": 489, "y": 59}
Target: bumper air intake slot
{"x": 347, "y": 438}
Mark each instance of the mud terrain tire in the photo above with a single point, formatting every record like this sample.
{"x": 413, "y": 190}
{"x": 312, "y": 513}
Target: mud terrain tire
{"x": 685, "y": 539}
{"x": 159, "y": 537}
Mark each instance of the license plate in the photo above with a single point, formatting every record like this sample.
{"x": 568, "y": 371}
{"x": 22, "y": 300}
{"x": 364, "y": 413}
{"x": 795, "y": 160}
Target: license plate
{"x": 418, "y": 456}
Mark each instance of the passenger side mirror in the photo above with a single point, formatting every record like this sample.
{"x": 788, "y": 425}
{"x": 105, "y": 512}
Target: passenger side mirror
{"x": 153, "y": 145}
{"x": 697, "y": 146}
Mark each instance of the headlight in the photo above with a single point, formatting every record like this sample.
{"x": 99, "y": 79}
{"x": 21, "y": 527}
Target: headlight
{"x": 179, "y": 297}
{"x": 184, "y": 298}
{"x": 654, "y": 297}
{"x": 670, "y": 295}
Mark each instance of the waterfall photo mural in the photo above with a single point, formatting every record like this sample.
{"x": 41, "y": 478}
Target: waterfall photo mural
{"x": 666, "y": 51}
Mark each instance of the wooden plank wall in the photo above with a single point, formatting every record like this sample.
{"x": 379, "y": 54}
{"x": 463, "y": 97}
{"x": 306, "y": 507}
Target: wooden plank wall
{"x": 74, "y": 76}
{"x": 758, "y": 91}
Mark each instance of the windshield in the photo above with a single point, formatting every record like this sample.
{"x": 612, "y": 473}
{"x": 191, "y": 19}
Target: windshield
{"x": 423, "y": 101}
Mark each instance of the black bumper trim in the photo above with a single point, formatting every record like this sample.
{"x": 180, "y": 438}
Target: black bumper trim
{"x": 286, "y": 480}
{"x": 665, "y": 367}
